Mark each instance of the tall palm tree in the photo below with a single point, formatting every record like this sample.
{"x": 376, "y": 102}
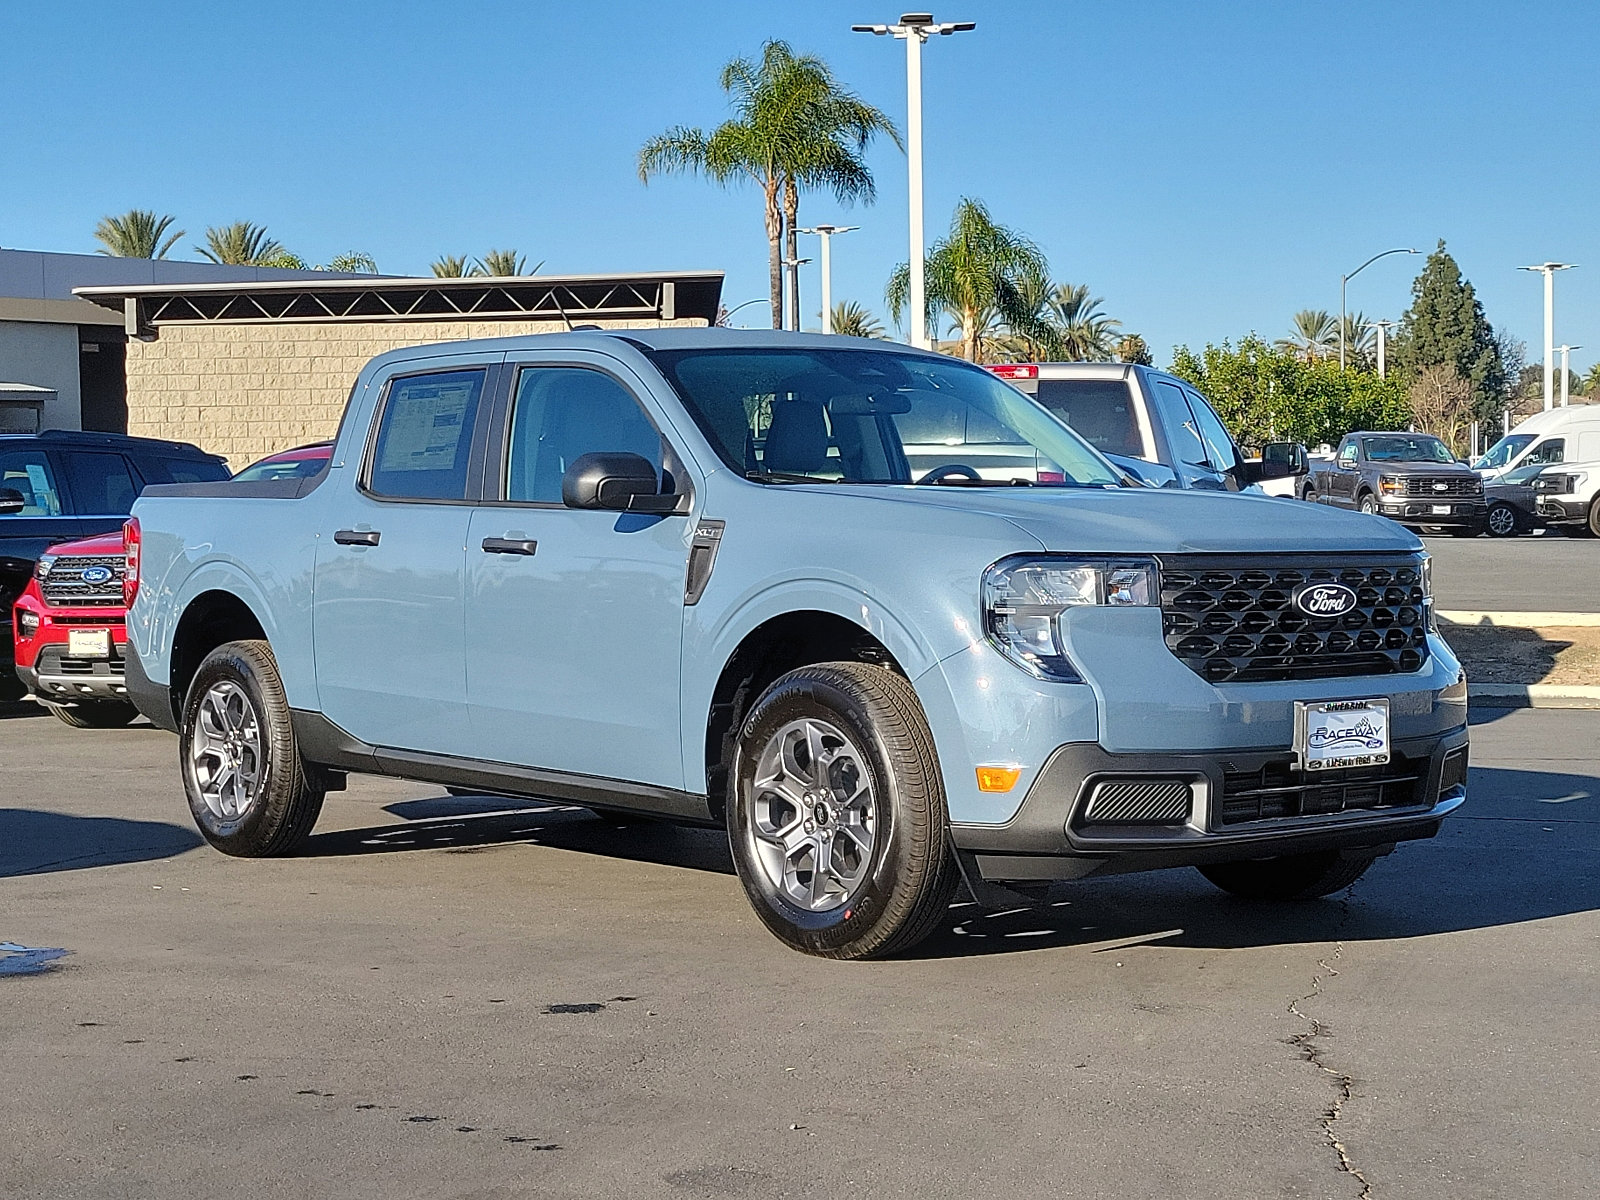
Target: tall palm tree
{"x": 137, "y": 233}
{"x": 506, "y": 262}
{"x": 1360, "y": 341}
{"x": 794, "y": 127}
{"x": 983, "y": 275}
{"x": 1316, "y": 335}
{"x": 1086, "y": 334}
{"x": 240, "y": 244}
{"x": 354, "y": 263}
{"x": 855, "y": 320}
{"x": 455, "y": 266}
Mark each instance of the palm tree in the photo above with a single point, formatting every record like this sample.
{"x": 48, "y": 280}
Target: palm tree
{"x": 137, "y": 233}
{"x": 793, "y": 128}
{"x": 1360, "y": 341}
{"x": 506, "y": 262}
{"x": 455, "y": 266}
{"x": 1316, "y": 335}
{"x": 984, "y": 276}
{"x": 1131, "y": 348}
{"x": 240, "y": 244}
{"x": 855, "y": 320}
{"x": 1086, "y": 334}
{"x": 1591, "y": 381}
{"x": 354, "y": 263}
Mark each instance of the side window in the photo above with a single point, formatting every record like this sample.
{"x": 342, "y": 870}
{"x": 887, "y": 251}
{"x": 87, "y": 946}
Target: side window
{"x": 1347, "y": 455}
{"x": 101, "y": 483}
{"x": 28, "y": 472}
{"x": 180, "y": 470}
{"x": 562, "y": 413}
{"x": 425, "y": 436}
{"x": 1551, "y": 450}
{"x": 1215, "y": 434}
{"x": 1182, "y": 431}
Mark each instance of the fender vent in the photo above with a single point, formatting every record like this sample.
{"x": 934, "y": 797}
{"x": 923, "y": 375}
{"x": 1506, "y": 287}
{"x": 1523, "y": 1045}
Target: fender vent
{"x": 1138, "y": 802}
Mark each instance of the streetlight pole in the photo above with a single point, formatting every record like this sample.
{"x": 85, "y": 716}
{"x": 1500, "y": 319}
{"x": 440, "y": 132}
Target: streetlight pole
{"x": 826, "y": 232}
{"x": 727, "y": 316}
{"x": 793, "y": 266}
{"x": 1548, "y": 270}
{"x": 1565, "y": 350}
{"x": 914, "y": 29}
{"x": 1345, "y": 279}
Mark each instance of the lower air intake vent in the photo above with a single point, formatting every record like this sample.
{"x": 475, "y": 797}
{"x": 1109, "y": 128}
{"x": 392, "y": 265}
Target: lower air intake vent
{"x": 1139, "y": 802}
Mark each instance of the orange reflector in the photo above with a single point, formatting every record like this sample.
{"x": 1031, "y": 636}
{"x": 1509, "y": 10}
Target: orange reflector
{"x": 998, "y": 779}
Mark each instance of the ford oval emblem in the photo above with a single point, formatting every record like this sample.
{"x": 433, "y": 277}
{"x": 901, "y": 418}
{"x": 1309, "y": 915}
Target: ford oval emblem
{"x": 97, "y": 575}
{"x": 1325, "y": 599}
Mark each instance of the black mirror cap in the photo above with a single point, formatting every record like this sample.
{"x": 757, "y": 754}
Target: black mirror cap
{"x": 615, "y": 482}
{"x": 11, "y": 502}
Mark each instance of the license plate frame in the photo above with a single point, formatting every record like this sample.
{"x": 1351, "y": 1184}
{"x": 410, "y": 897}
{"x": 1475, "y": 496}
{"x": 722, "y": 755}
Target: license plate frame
{"x": 1441, "y": 510}
{"x": 1332, "y": 735}
{"x": 89, "y": 643}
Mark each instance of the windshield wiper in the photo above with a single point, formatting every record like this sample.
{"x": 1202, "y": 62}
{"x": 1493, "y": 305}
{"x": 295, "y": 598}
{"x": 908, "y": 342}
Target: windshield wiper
{"x": 784, "y": 477}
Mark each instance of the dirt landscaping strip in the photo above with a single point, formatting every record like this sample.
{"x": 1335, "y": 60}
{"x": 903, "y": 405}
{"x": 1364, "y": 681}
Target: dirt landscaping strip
{"x": 1551, "y": 655}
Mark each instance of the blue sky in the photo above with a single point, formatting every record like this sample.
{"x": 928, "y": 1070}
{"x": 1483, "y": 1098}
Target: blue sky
{"x": 1208, "y": 168}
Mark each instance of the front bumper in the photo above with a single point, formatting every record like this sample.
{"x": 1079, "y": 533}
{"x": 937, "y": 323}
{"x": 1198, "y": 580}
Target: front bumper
{"x": 61, "y": 679}
{"x": 1055, "y": 833}
{"x": 1461, "y": 513}
{"x": 1560, "y": 511}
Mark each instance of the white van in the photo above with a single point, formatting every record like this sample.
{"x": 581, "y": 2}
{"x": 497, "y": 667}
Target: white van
{"x": 1561, "y": 435}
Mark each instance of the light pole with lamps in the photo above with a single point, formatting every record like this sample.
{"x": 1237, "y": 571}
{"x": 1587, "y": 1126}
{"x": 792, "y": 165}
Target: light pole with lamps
{"x": 914, "y": 29}
{"x": 1565, "y": 350}
{"x": 793, "y": 266}
{"x": 1548, "y": 270}
{"x": 826, "y": 232}
{"x": 1345, "y": 279}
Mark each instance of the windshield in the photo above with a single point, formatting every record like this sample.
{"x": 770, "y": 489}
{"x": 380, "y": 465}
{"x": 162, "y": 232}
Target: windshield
{"x": 1408, "y": 447}
{"x": 1503, "y": 451}
{"x": 869, "y": 416}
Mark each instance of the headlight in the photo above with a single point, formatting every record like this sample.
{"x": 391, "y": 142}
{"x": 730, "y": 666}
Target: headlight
{"x": 1023, "y": 599}
{"x": 42, "y": 567}
{"x": 1389, "y": 485}
{"x": 1429, "y": 621}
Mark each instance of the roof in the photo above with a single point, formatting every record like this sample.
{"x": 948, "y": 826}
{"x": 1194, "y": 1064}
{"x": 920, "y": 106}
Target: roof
{"x": 74, "y": 437}
{"x": 647, "y": 295}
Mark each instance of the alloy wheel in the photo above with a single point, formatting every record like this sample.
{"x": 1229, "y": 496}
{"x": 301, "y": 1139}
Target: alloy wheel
{"x": 226, "y": 751}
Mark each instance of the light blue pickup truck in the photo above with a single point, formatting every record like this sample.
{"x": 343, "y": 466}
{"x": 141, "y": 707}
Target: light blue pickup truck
{"x": 694, "y": 574}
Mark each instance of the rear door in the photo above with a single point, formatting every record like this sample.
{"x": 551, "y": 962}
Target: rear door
{"x": 388, "y": 610}
{"x": 575, "y": 616}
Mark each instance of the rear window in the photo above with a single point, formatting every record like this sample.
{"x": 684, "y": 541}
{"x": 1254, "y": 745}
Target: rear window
{"x": 425, "y": 436}
{"x": 1099, "y": 410}
{"x": 179, "y": 470}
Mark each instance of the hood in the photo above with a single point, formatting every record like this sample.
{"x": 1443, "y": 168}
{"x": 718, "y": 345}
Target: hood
{"x": 1158, "y": 521}
{"x": 101, "y": 543}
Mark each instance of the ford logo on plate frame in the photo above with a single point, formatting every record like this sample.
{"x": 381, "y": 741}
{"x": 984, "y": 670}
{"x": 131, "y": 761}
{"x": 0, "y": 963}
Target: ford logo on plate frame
{"x": 97, "y": 575}
{"x": 1325, "y": 600}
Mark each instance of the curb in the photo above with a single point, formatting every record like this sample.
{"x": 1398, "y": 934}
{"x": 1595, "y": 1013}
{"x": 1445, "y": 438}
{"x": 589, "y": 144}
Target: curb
{"x": 1532, "y": 695}
{"x": 1521, "y": 620}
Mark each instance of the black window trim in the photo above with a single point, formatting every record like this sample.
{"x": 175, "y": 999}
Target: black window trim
{"x": 476, "y": 453}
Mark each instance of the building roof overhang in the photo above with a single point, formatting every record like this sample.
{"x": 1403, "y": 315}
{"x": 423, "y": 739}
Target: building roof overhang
{"x": 644, "y": 296}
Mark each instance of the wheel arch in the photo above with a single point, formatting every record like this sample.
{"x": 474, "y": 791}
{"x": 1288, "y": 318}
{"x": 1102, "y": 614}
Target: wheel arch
{"x": 209, "y": 619}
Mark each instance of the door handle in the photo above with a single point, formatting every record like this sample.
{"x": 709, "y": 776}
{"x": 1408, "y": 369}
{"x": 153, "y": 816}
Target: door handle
{"x": 356, "y": 537}
{"x": 510, "y": 545}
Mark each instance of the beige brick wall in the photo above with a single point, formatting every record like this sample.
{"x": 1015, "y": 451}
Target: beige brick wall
{"x": 245, "y": 391}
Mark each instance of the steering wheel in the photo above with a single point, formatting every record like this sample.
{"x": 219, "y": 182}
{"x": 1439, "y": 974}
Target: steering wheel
{"x": 938, "y": 474}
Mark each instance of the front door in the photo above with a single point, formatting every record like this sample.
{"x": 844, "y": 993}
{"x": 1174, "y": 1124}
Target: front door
{"x": 1344, "y": 477}
{"x": 574, "y": 616}
{"x": 390, "y": 577}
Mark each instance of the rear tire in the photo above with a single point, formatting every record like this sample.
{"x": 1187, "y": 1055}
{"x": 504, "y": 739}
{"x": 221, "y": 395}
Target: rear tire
{"x": 1594, "y": 518}
{"x": 1291, "y": 877}
{"x": 251, "y": 793}
{"x": 99, "y": 714}
{"x": 836, "y": 813}
{"x": 1503, "y": 521}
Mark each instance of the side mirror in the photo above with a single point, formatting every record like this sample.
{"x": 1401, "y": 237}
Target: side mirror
{"x": 1283, "y": 460}
{"x": 11, "y": 502}
{"x": 615, "y": 483}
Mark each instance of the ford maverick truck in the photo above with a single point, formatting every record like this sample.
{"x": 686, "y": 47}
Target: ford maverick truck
{"x": 1411, "y": 478}
{"x": 693, "y": 574}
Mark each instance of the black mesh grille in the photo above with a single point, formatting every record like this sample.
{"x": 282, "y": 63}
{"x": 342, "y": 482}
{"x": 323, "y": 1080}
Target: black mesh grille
{"x": 65, "y": 586}
{"x": 1279, "y": 790}
{"x": 1423, "y": 486}
{"x": 1138, "y": 802}
{"x": 1233, "y": 620}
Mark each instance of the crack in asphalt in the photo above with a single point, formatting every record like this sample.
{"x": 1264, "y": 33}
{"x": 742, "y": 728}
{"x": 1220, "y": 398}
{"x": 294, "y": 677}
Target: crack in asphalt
{"x": 1306, "y": 1043}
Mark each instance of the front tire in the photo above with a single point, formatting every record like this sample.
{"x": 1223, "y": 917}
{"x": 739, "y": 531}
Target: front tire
{"x": 836, "y": 813}
{"x": 1503, "y": 521}
{"x": 1309, "y": 495}
{"x": 251, "y": 793}
{"x": 1368, "y": 504}
{"x": 99, "y": 714}
{"x": 1594, "y": 518}
{"x": 1290, "y": 877}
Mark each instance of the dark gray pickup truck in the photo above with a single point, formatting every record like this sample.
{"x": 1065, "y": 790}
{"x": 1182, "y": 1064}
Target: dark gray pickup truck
{"x": 1411, "y": 478}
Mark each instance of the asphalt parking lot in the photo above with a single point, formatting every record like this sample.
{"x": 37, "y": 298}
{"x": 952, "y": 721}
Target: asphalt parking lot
{"x": 465, "y": 997}
{"x": 1549, "y": 572}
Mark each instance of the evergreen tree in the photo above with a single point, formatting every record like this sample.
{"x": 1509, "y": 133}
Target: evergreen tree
{"x": 1445, "y": 326}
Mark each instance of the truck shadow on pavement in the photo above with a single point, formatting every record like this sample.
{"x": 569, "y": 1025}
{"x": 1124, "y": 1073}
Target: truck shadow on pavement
{"x": 1526, "y": 847}
{"x": 39, "y": 843}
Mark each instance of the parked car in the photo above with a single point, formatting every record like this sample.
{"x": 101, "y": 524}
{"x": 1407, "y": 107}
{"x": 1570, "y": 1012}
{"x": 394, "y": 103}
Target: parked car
{"x": 880, "y": 683}
{"x": 1568, "y": 496}
{"x": 59, "y": 485}
{"x": 1155, "y": 425}
{"x": 1559, "y": 435}
{"x": 1513, "y": 503}
{"x": 300, "y": 463}
{"x": 69, "y": 632}
{"x": 1409, "y": 477}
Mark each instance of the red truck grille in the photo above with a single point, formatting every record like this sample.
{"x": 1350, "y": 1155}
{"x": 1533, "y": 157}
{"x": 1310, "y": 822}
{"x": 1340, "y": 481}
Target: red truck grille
{"x": 67, "y": 587}
{"x": 1233, "y": 620}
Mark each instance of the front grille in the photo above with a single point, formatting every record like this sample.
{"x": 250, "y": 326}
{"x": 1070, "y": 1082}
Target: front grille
{"x": 1233, "y": 620}
{"x": 65, "y": 587}
{"x": 1443, "y": 486}
{"x": 1280, "y": 790}
{"x": 1139, "y": 802}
